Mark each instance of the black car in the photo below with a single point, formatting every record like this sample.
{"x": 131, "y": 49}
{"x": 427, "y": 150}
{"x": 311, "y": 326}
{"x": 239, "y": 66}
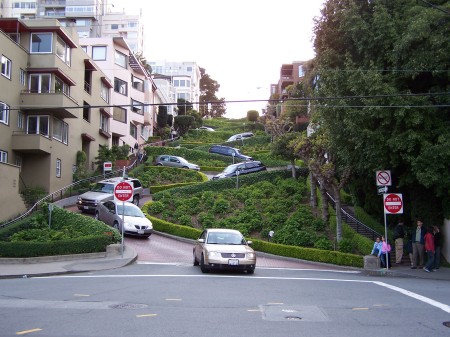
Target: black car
{"x": 242, "y": 168}
{"x": 229, "y": 151}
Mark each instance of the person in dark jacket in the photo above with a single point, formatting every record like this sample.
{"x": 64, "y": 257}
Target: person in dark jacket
{"x": 437, "y": 246}
{"x": 418, "y": 241}
{"x": 399, "y": 234}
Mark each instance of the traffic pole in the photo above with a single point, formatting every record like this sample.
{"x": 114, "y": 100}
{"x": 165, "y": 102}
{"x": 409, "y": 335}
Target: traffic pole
{"x": 123, "y": 224}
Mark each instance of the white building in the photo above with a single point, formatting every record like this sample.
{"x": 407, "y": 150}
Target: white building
{"x": 185, "y": 78}
{"x": 133, "y": 93}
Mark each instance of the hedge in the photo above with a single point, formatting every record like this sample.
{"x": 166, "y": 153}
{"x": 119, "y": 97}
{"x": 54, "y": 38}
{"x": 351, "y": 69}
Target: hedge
{"x": 309, "y": 254}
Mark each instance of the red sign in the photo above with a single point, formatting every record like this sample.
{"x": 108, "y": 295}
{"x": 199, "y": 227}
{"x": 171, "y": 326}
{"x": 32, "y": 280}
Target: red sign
{"x": 107, "y": 166}
{"x": 393, "y": 203}
{"x": 384, "y": 178}
{"x": 123, "y": 191}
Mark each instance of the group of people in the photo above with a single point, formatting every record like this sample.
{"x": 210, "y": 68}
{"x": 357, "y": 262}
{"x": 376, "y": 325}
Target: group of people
{"x": 422, "y": 241}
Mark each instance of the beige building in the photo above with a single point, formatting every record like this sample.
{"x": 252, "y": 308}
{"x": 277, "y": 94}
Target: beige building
{"x": 53, "y": 105}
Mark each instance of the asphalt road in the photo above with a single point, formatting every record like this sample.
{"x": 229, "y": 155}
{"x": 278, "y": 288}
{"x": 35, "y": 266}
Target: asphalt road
{"x": 178, "y": 300}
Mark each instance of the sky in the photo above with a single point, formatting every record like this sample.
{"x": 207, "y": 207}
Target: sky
{"x": 241, "y": 44}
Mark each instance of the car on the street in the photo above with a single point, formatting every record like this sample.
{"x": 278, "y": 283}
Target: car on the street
{"x": 206, "y": 128}
{"x": 120, "y": 214}
{"x": 241, "y": 169}
{"x": 218, "y": 248}
{"x": 228, "y": 151}
{"x": 104, "y": 190}
{"x": 175, "y": 161}
{"x": 240, "y": 136}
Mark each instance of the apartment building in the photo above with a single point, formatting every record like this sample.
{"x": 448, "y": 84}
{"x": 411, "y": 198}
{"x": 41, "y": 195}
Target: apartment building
{"x": 51, "y": 91}
{"x": 133, "y": 89}
{"x": 166, "y": 93}
{"x": 185, "y": 78}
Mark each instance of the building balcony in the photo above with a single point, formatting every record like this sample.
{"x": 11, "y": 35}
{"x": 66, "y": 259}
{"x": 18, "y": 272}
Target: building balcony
{"x": 52, "y": 3}
{"x": 31, "y": 143}
{"x": 57, "y": 103}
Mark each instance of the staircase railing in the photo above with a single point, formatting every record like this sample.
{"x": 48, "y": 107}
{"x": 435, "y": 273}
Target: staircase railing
{"x": 67, "y": 192}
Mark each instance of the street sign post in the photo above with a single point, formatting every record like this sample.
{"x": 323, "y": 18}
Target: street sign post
{"x": 382, "y": 190}
{"x": 383, "y": 178}
{"x": 123, "y": 191}
{"x": 107, "y": 166}
{"x": 392, "y": 204}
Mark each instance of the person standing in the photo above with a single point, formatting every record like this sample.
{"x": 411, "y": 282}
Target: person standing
{"x": 399, "y": 234}
{"x": 384, "y": 254}
{"x": 429, "y": 249}
{"x": 437, "y": 246}
{"x": 418, "y": 240}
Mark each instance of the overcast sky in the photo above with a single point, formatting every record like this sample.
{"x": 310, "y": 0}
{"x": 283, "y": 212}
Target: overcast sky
{"x": 241, "y": 43}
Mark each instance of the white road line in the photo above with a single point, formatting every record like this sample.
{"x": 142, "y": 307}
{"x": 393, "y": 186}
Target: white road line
{"x": 418, "y": 297}
{"x": 411, "y": 294}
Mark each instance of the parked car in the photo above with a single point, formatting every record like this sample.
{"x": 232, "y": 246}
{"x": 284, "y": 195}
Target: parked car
{"x": 242, "y": 168}
{"x": 174, "y": 161}
{"x": 240, "y": 136}
{"x": 206, "y": 128}
{"x": 229, "y": 151}
{"x": 134, "y": 221}
{"x": 104, "y": 190}
{"x": 223, "y": 249}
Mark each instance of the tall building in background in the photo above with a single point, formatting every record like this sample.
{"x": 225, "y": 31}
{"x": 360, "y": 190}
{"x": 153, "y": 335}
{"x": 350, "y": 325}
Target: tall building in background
{"x": 185, "y": 78}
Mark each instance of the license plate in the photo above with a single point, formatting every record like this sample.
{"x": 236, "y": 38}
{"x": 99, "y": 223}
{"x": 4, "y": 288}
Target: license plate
{"x": 86, "y": 207}
{"x": 233, "y": 262}
{"x": 140, "y": 231}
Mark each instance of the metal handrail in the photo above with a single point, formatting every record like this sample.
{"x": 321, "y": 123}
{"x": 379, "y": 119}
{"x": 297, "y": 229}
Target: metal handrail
{"x": 54, "y": 196}
{"x": 374, "y": 234}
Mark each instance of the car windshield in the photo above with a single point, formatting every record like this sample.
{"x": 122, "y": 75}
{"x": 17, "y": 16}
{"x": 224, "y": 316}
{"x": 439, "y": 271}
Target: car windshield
{"x": 130, "y": 211}
{"x": 225, "y": 239}
{"x": 103, "y": 188}
{"x": 230, "y": 169}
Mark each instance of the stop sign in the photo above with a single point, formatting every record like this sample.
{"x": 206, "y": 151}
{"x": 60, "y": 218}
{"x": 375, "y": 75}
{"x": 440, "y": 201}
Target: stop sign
{"x": 393, "y": 203}
{"x": 123, "y": 191}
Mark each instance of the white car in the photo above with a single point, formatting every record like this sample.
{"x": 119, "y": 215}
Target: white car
{"x": 224, "y": 249}
{"x": 206, "y": 128}
{"x": 240, "y": 136}
{"x": 135, "y": 222}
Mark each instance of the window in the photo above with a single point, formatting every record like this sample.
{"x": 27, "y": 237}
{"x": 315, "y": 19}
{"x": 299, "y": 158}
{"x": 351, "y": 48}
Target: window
{"x": 20, "y": 119}
{"x": 114, "y": 26}
{"x": 86, "y": 111}
{"x": 133, "y": 131}
{"x": 63, "y": 50}
{"x": 137, "y": 83}
{"x": 189, "y": 69}
{"x": 84, "y": 48}
{"x": 60, "y": 86}
{"x": 4, "y": 113}
{"x": 58, "y": 168}
{"x": 60, "y": 130}
{"x": 119, "y": 114}
{"x": 6, "y": 67}
{"x": 38, "y": 125}
{"x": 3, "y": 156}
{"x": 104, "y": 122}
{"x": 176, "y": 83}
{"x": 301, "y": 72}
{"x": 104, "y": 93}
{"x": 39, "y": 83}
{"x": 120, "y": 59}
{"x": 23, "y": 77}
{"x": 120, "y": 86}
{"x": 99, "y": 53}
{"x": 132, "y": 24}
{"x": 137, "y": 107}
{"x": 41, "y": 42}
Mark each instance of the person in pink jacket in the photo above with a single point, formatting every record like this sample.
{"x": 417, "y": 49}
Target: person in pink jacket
{"x": 384, "y": 254}
{"x": 429, "y": 249}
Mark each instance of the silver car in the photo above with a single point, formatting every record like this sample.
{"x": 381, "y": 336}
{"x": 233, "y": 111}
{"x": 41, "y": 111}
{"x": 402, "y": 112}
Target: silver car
{"x": 111, "y": 212}
{"x": 175, "y": 161}
{"x": 224, "y": 249}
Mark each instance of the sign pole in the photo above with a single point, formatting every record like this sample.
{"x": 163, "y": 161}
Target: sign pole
{"x": 386, "y": 238}
{"x": 123, "y": 224}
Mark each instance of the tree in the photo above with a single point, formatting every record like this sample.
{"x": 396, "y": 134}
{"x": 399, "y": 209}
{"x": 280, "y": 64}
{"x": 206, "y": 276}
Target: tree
{"x": 183, "y": 106}
{"x": 281, "y": 148}
{"x": 183, "y": 123}
{"x": 210, "y": 105}
{"x": 384, "y": 53}
{"x": 252, "y": 116}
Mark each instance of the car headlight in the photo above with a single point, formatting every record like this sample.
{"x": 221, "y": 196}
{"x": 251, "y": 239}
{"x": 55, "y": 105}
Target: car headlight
{"x": 214, "y": 255}
{"x": 79, "y": 199}
{"x": 250, "y": 255}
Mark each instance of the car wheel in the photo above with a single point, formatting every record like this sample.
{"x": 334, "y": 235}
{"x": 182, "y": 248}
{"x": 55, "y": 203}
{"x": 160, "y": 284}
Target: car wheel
{"x": 159, "y": 164}
{"x": 251, "y": 271}
{"x": 116, "y": 225}
{"x": 136, "y": 200}
{"x": 195, "y": 262}
{"x": 202, "y": 265}
{"x": 97, "y": 216}
{"x": 185, "y": 167}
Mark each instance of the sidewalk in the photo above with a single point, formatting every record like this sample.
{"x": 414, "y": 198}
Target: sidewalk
{"x": 67, "y": 264}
